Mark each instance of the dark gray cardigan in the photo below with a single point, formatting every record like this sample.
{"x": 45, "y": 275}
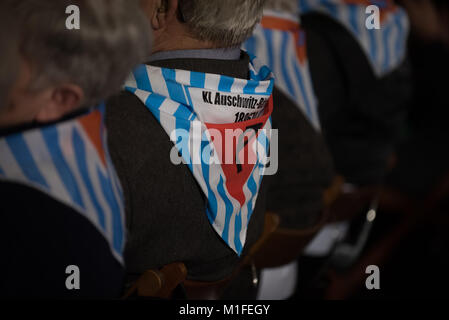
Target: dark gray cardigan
{"x": 166, "y": 209}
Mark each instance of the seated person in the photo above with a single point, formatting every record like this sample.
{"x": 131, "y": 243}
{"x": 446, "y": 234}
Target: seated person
{"x": 204, "y": 214}
{"x": 360, "y": 79}
{"x": 296, "y": 193}
{"x": 423, "y": 156}
{"x": 61, "y": 202}
{"x": 305, "y": 164}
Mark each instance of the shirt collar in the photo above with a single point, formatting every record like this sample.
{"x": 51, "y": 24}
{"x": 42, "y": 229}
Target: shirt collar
{"x": 216, "y": 54}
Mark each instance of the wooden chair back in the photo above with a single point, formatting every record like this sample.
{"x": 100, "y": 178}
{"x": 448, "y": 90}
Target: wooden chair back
{"x": 283, "y": 246}
{"x": 159, "y": 283}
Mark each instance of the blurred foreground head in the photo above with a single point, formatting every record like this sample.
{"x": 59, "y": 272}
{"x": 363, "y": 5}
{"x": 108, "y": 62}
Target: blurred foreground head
{"x": 59, "y": 70}
{"x": 199, "y": 24}
{"x": 9, "y": 55}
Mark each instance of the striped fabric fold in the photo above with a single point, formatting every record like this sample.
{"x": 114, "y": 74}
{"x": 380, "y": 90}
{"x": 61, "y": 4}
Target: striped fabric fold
{"x": 70, "y": 163}
{"x": 197, "y": 110}
{"x": 280, "y": 42}
{"x": 386, "y": 47}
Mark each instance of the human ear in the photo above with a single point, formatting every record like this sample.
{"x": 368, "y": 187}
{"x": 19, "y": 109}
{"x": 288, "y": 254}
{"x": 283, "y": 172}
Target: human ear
{"x": 62, "y": 100}
{"x": 164, "y": 13}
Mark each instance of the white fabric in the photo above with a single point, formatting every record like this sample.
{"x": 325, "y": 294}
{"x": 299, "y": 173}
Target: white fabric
{"x": 278, "y": 283}
{"x": 325, "y": 240}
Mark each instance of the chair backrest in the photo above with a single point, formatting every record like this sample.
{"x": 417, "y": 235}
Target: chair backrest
{"x": 332, "y": 193}
{"x": 280, "y": 246}
{"x": 162, "y": 283}
{"x": 159, "y": 283}
{"x": 196, "y": 290}
{"x": 214, "y": 290}
{"x": 351, "y": 204}
{"x": 283, "y": 246}
{"x": 272, "y": 222}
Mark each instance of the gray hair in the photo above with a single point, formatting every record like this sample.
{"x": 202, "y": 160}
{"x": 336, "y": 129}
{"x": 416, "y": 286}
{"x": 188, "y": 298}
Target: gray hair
{"x": 9, "y": 59}
{"x": 226, "y": 23}
{"x": 112, "y": 39}
{"x": 290, "y": 6}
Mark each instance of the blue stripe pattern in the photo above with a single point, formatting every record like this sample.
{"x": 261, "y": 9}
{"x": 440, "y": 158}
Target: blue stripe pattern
{"x": 174, "y": 89}
{"x": 225, "y": 84}
{"x": 51, "y": 138}
{"x": 284, "y": 68}
{"x": 278, "y": 48}
{"x": 141, "y": 75}
{"x": 305, "y": 95}
{"x": 72, "y": 173}
{"x": 156, "y": 101}
{"x": 229, "y": 209}
{"x": 117, "y": 225}
{"x": 270, "y": 47}
{"x": 385, "y": 43}
{"x": 212, "y": 205}
{"x": 81, "y": 159}
{"x": 26, "y": 162}
{"x": 197, "y": 79}
{"x": 177, "y": 116}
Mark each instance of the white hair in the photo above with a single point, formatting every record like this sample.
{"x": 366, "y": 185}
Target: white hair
{"x": 112, "y": 39}
{"x": 226, "y": 23}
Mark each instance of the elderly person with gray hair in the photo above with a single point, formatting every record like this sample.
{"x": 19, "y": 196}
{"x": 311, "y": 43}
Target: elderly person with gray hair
{"x": 61, "y": 200}
{"x": 205, "y": 215}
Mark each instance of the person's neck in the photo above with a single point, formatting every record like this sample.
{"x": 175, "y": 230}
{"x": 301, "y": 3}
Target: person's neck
{"x": 180, "y": 41}
{"x": 7, "y": 130}
{"x": 183, "y": 46}
{"x": 228, "y": 54}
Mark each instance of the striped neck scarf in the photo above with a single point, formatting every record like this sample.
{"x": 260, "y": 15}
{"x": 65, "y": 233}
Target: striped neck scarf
{"x": 69, "y": 162}
{"x": 193, "y": 107}
{"x": 385, "y": 48}
{"x": 280, "y": 41}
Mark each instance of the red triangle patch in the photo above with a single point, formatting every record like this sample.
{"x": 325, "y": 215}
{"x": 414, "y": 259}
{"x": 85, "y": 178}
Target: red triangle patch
{"x": 235, "y": 151}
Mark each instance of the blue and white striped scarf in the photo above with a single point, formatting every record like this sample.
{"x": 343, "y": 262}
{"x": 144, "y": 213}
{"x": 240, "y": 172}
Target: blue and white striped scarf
{"x": 70, "y": 163}
{"x": 385, "y": 48}
{"x": 189, "y": 105}
{"x": 279, "y": 41}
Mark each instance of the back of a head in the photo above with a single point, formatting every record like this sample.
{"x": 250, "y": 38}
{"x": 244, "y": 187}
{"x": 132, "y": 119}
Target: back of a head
{"x": 224, "y": 23}
{"x": 9, "y": 55}
{"x": 111, "y": 40}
